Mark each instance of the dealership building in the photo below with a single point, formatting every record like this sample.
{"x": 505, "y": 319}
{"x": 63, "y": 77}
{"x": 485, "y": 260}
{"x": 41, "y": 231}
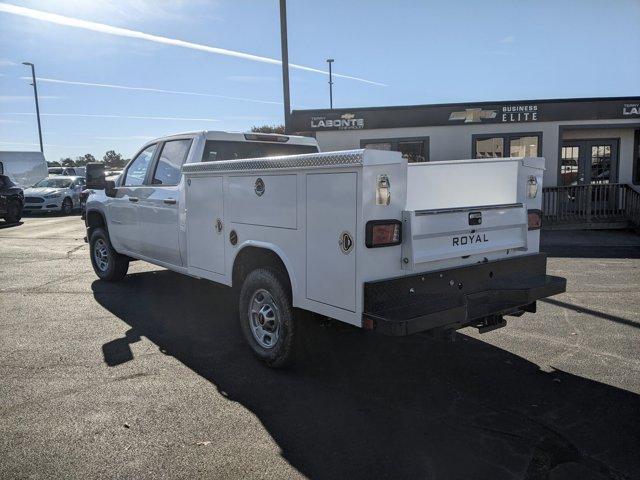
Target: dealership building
{"x": 591, "y": 145}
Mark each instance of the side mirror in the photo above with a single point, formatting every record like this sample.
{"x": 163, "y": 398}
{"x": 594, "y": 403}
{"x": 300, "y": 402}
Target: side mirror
{"x": 95, "y": 176}
{"x": 110, "y": 188}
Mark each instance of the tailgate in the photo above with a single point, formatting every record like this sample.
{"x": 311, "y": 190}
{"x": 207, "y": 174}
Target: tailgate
{"x": 430, "y": 235}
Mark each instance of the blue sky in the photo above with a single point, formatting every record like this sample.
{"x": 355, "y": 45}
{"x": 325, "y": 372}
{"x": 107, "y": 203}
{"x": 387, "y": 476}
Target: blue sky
{"x": 401, "y": 52}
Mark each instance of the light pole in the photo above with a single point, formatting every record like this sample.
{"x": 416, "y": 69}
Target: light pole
{"x": 330, "y": 61}
{"x": 35, "y": 92}
{"x": 285, "y": 65}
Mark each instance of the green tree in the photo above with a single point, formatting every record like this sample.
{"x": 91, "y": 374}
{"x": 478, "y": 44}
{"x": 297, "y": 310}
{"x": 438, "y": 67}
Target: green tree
{"x": 113, "y": 160}
{"x": 67, "y": 162}
{"x": 53, "y": 164}
{"x": 84, "y": 159}
{"x": 268, "y": 129}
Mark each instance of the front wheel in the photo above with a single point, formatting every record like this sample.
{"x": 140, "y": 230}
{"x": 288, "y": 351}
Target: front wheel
{"x": 14, "y": 213}
{"x": 67, "y": 206}
{"x": 266, "y": 317}
{"x": 108, "y": 264}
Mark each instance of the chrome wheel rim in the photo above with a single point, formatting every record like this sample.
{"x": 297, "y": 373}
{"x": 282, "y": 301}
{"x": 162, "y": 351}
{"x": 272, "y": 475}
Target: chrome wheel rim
{"x": 264, "y": 319}
{"x": 101, "y": 255}
{"x": 67, "y": 207}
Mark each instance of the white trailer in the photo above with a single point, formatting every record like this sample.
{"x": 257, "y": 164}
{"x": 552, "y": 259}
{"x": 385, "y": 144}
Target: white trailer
{"x": 25, "y": 169}
{"x": 359, "y": 236}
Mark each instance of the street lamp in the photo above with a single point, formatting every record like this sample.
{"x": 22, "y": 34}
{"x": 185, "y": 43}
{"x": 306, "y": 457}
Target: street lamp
{"x": 285, "y": 65}
{"x": 330, "y": 61}
{"x": 35, "y": 92}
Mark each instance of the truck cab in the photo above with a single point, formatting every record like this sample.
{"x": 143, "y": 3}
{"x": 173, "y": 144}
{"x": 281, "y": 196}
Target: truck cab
{"x": 145, "y": 217}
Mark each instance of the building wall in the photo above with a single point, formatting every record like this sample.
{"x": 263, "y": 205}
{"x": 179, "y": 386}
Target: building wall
{"x": 455, "y": 142}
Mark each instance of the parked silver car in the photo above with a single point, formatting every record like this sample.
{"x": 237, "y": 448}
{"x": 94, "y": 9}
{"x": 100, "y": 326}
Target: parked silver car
{"x": 54, "y": 194}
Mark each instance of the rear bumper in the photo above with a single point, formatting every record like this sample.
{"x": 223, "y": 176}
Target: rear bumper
{"x": 458, "y": 297}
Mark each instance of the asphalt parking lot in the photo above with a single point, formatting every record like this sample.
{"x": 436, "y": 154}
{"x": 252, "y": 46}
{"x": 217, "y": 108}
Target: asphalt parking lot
{"x": 150, "y": 378}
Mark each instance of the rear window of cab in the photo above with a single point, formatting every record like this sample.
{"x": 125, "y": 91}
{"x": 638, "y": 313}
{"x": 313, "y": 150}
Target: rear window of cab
{"x": 215, "y": 150}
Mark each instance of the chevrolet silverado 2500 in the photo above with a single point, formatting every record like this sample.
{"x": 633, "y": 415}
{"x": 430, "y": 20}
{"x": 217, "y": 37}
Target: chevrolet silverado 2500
{"x": 360, "y": 236}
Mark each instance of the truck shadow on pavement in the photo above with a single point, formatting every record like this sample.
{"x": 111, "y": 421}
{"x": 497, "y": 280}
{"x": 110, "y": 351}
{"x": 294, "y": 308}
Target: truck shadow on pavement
{"x": 4, "y": 224}
{"x": 365, "y": 406}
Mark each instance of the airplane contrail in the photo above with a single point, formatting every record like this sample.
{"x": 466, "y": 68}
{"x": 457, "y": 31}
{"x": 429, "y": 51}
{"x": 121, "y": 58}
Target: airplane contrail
{"x": 46, "y": 144}
{"x": 134, "y": 117}
{"x": 125, "y": 32}
{"x": 149, "y": 89}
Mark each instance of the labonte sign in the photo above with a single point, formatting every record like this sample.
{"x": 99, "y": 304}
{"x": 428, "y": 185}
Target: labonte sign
{"x": 629, "y": 109}
{"x": 346, "y": 121}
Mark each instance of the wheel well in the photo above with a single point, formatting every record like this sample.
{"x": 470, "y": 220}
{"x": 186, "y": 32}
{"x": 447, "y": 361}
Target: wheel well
{"x": 251, "y": 258}
{"x": 95, "y": 220}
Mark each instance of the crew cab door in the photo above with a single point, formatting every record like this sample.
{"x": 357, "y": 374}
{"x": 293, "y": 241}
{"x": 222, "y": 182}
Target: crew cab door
{"x": 159, "y": 204}
{"x": 123, "y": 209}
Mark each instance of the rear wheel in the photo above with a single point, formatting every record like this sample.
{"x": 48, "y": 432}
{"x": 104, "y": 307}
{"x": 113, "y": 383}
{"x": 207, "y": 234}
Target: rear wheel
{"x": 67, "y": 206}
{"x": 14, "y": 213}
{"x": 266, "y": 317}
{"x": 108, "y": 264}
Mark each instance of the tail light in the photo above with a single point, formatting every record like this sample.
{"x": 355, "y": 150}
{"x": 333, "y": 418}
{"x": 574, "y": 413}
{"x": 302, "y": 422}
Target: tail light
{"x": 383, "y": 233}
{"x": 534, "y": 219}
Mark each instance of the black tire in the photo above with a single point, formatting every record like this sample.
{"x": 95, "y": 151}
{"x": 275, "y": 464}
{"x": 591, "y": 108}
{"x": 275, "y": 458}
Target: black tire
{"x": 67, "y": 206}
{"x": 14, "y": 212}
{"x": 279, "y": 351}
{"x": 108, "y": 264}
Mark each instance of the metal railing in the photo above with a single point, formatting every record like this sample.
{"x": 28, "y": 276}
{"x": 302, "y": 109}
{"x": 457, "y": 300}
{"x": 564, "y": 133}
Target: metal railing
{"x": 595, "y": 203}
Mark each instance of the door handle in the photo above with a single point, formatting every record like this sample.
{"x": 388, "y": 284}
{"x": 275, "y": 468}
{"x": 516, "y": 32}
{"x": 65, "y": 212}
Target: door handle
{"x": 133, "y": 199}
{"x": 169, "y": 201}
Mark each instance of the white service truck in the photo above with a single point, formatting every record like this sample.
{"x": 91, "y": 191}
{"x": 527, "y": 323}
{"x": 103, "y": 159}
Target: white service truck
{"x": 360, "y": 236}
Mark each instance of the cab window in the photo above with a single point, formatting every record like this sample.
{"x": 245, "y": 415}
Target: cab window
{"x": 414, "y": 150}
{"x": 137, "y": 170}
{"x": 171, "y": 158}
{"x": 215, "y": 150}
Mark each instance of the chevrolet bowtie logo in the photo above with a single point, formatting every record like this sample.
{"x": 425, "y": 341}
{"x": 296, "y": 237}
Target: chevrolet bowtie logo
{"x": 471, "y": 115}
{"x": 347, "y": 116}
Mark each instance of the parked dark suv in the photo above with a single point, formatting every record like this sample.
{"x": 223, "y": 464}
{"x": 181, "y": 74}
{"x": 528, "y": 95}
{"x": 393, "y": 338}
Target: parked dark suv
{"x": 11, "y": 200}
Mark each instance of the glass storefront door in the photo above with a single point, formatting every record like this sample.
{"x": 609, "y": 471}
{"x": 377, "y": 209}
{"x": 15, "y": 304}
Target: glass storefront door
{"x": 589, "y": 162}
{"x": 585, "y": 162}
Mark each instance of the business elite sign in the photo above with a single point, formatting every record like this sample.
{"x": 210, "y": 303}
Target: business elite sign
{"x": 346, "y": 121}
{"x": 505, "y": 114}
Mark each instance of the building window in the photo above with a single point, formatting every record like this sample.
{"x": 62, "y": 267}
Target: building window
{"x": 569, "y": 159}
{"x": 414, "y": 150}
{"x": 489, "y": 147}
{"x": 515, "y": 144}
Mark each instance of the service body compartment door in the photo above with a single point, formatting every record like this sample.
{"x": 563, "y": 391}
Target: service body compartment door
{"x": 268, "y": 200}
{"x": 331, "y": 239}
{"x": 205, "y": 240}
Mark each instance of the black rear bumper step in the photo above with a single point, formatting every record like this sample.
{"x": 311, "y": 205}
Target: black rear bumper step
{"x": 457, "y": 297}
